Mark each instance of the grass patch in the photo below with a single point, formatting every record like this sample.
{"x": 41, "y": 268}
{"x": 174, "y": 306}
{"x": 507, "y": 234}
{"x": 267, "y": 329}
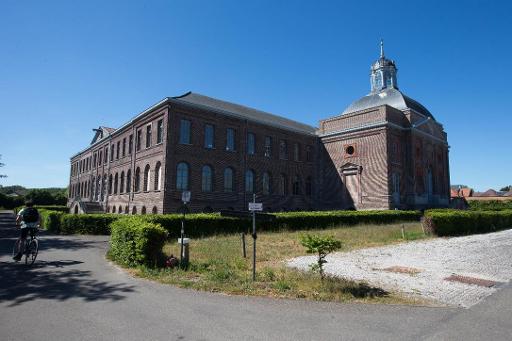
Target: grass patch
{"x": 217, "y": 265}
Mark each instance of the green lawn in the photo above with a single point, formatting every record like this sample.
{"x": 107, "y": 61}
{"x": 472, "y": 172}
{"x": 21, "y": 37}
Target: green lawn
{"x": 217, "y": 265}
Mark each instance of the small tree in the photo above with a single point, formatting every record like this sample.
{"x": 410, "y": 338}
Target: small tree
{"x": 321, "y": 245}
{"x": 506, "y": 188}
{"x": 1, "y": 165}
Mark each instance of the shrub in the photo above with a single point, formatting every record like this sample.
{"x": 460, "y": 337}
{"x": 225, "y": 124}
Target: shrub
{"x": 322, "y": 246}
{"x": 87, "y": 223}
{"x": 490, "y": 205}
{"x": 454, "y": 222}
{"x": 136, "y": 241}
{"x": 51, "y": 220}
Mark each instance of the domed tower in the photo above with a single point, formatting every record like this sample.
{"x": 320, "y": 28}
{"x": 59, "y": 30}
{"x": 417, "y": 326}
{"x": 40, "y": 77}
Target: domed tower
{"x": 385, "y": 150}
{"x": 383, "y": 73}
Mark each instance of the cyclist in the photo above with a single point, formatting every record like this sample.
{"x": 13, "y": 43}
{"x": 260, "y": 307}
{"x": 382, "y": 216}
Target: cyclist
{"x": 28, "y": 219}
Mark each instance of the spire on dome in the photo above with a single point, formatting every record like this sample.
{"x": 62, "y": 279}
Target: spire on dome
{"x": 382, "y": 48}
{"x": 383, "y": 72}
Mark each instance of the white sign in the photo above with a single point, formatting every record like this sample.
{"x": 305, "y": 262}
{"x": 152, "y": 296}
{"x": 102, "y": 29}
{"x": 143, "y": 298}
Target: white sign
{"x": 255, "y": 206}
{"x": 185, "y": 196}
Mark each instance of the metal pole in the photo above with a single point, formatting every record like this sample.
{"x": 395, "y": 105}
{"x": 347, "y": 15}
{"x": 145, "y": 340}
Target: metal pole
{"x": 244, "y": 252}
{"x": 182, "y": 235}
{"x": 254, "y": 241}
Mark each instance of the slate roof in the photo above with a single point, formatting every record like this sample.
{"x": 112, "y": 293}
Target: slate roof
{"x": 391, "y": 97}
{"x": 240, "y": 111}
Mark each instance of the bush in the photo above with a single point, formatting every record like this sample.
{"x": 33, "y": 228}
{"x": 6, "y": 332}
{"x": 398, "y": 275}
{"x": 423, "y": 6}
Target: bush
{"x": 136, "y": 241}
{"x": 51, "y": 220}
{"x": 325, "y": 219}
{"x": 455, "y": 222}
{"x": 490, "y": 205}
{"x": 87, "y": 223}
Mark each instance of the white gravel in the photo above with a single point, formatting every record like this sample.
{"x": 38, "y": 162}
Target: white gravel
{"x": 484, "y": 256}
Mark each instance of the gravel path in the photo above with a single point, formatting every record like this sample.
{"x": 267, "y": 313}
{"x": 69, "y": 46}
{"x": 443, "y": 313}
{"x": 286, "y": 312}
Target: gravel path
{"x": 429, "y": 263}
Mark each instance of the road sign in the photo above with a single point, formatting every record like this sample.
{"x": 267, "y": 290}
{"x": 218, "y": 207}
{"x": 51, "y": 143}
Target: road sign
{"x": 255, "y": 206}
{"x": 185, "y": 196}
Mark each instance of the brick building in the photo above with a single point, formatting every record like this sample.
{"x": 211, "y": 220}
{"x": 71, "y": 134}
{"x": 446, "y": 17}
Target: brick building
{"x": 384, "y": 151}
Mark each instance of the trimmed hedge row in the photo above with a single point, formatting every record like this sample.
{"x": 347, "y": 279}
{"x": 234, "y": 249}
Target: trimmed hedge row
{"x": 199, "y": 225}
{"x": 51, "y": 220}
{"x": 136, "y": 241}
{"x": 490, "y": 205}
{"x": 456, "y": 223}
{"x": 57, "y": 208}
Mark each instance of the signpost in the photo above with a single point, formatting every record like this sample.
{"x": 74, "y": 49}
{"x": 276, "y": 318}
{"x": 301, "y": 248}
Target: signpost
{"x": 185, "y": 197}
{"x": 253, "y": 207}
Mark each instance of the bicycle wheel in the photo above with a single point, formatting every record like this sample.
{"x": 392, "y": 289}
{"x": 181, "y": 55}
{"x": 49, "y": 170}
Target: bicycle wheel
{"x": 16, "y": 247}
{"x": 32, "y": 249}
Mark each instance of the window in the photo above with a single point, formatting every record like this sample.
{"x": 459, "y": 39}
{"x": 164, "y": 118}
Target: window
{"x": 146, "y": 178}
{"x": 350, "y": 150}
{"x": 130, "y": 144}
{"x": 206, "y": 182}
{"x": 230, "y": 139}
{"x": 185, "y": 132}
{"x": 249, "y": 181}
{"x": 283, "y": 150}
{"x": 283, "y": 185}
{"x": 139, "y": 140}
{"x": 105, "y": 156}
{"x": 110, "y": 184}
{"x": 208, "y": 136}
{"x": 296, "y": 152}
{"x": 128, "y": 181}
{"x": 267, "y": 184}
{"x": 250, "y": 143}
{"x": 158, "y": 176}
{"x": 228, "y": 180}
{"x": 268, "y": 146}
{"x": 154, "y": 210}
{"x": 309, "y": 189}
{"x": 94, "y": 160}
{"x": 148, "y": 135}
{"x": 309, "y": 151}
{"x": 118, "y": 148}
{"x": 112, "y": 152}
{"x": 143, "y": 210}
{"x": 116, "y": 183}
{"x": 160, "y": 131}
{"x": 137, "y": 179}
{"x": 121, "y": 183}
{"x": 124, "y": 147}
{"x": 182, "y": 176}
{"x": 296, "y": 185}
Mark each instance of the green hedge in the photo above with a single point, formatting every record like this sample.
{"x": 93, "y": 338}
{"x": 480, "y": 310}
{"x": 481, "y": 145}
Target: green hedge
{"x": 57, "y": 208}
{"x": 456, "y": 223}
{"x": 490, "y": 205}
{"x": 325, "y": 219}
{"x": 136, "y": 241}
{"x": 51, "y": 220}
{"x": 87, "y": 223}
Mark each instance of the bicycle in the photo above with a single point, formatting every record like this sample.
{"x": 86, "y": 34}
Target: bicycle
{"x": 31, "y": 247}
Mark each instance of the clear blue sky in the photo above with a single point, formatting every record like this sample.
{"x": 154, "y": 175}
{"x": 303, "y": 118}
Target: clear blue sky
{"x": 67, "y": 67}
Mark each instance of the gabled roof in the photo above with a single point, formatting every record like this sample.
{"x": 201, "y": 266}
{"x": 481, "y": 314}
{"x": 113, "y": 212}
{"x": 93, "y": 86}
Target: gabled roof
{"x": 244, "y": 112}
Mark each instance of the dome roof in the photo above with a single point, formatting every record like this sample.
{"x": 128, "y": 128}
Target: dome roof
{"x": 392, "y": 97}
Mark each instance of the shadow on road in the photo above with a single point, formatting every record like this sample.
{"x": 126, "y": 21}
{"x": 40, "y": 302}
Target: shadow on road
{"x": 23, "y": 283}
{"x": 54, "y": 280}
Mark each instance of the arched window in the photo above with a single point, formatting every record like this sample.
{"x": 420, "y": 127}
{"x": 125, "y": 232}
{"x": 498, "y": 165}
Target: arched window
{"x": 158, "y": 176}
{"x": 134, "y": 210}
{"x": 228, "y": 180}
{"x": 296, "y": 185}
{"x": 121, "y": 183}
{"x": 249, "y": 181}
{"x": 98, "y": 187}
{"x": 155, "y": 210}
{"x": 206, "y": 180}
{"x": 137, "y": 179}
{"x": 143, "y": 211}
{"x": 113, "y": 209}
{"x": 120, "y": 210}
{"x": 93, "y": 187}
{"x": 146, "y": 178}
{"x": 309, "y": 188}
{"x": 126, "y": 210}
{"x": 283, "y": 185}
{"x": 110, "y": 184}
{"x": 182, "y": 177}
{"x": 116, "y": 183}
{"x": 267, "y": 183}
{"x": 104, "y": 187}
{"x": 128, "y": 181}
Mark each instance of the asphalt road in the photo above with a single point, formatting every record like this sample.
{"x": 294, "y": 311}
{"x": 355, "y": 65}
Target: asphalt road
{"x": 73, "y": 293}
